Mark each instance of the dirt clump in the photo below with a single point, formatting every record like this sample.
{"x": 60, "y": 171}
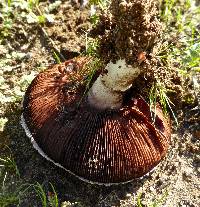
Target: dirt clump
{"x": 130, "y": 31}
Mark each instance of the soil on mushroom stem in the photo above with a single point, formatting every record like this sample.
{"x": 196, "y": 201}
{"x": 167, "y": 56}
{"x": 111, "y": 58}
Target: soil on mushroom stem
{"x": 177, "y": 174}
{"x": 133, "y": 32}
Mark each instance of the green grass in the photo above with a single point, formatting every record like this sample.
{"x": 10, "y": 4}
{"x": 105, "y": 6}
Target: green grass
{"x": 8, "y": 169}
{"x": 22, "y": 191}
{"x": 184, "y": 49}
{"x": 8, "y": 164}
{"x": 9, "y": 199}
{"x": 46, "y": 199}
{"x": 53, "y": 198}
{"x": 91, "y": 46}
{"x": 158, "y": 93}
{"x": 156, "y": 203}
{"x": 41, "y": 194}
{"x": 9, "y": 174}
{"x": 102, "y": 4}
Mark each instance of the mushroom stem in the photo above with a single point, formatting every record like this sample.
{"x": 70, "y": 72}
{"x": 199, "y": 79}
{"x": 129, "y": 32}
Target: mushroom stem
{"x": 107, "y": 90}
{"x": 126, "y": 31}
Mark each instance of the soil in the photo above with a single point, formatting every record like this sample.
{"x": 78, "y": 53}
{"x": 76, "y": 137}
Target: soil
{"x": 129, "y": 31}
{"x": 177, "y": 176}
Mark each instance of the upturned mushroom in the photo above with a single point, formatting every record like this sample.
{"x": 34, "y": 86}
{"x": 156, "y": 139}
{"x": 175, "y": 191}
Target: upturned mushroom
{"x": 101, "y": 136}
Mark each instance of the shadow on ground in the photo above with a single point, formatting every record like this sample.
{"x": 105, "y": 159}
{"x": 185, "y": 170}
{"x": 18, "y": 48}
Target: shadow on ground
{"x": 34, "y": 168}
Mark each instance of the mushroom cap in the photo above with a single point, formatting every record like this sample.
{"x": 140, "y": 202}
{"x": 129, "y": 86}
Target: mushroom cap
{"x": 105, "y": 147}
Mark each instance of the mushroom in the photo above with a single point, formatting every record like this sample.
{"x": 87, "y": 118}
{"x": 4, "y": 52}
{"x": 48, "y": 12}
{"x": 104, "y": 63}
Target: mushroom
{"x": 97, "y": 144}
{"x": 92, "y": 129}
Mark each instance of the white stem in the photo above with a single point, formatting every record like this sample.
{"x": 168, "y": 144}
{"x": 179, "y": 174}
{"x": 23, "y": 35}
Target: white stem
{"x": 107, "y": 90}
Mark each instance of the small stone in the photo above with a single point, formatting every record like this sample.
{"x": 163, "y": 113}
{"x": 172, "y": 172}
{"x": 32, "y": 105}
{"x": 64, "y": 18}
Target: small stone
{"x": 122, "y": 6}
{"x": 128, "y": 195}
{"x": 152, "y": 188}
{"x": 196, "y": 134}
{"x": 3, "y": 50}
